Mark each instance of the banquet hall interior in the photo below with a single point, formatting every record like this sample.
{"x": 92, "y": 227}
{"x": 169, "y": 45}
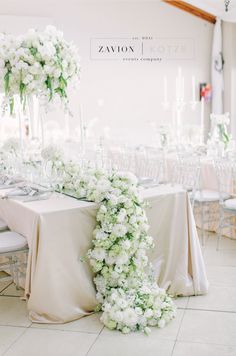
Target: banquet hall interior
{"x": 117, "y": 178}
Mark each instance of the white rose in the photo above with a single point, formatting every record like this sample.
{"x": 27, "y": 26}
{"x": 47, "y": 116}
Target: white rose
{"x": 57, "y": 73}
{"x": 118, "y": 269}
{"x": 138, "y": 311}
{"x": 103, "y": 185}
{"x": 107, "y": 307}
{"x": 113, "y": 200}
{"x": 118, "y": 316}
{"x": 114, "y": 297}
{"x": 101, "y": 235}
{"x": 152, "y": 322}
{"x": 119, "y": 230}
{"x": 148, "y": 313}
{"x": 126, "y": 244}
{"x": 130, "y": 317}
{"x": 145, "y": 290}
{"x": 122, "y": 303}
{"x": 126, "y": 330}
{"x": 99, "y": 254}
{"x": 114, "y": 275}
{"x": 157, "y": 313}
{"x": 103, "y": 209}
{"x": 161, "y": 323}
{"x": 122, "y": 259}
{"x": 132, "y": 220}
{"x": 99, "y": 298}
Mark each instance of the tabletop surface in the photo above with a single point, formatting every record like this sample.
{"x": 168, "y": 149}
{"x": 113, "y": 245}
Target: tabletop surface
{"x": 61, "y": 202}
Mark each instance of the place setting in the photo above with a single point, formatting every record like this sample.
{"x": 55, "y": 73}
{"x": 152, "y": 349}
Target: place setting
{"x": 7, "y": 182}
{"x": 27, "y": 193}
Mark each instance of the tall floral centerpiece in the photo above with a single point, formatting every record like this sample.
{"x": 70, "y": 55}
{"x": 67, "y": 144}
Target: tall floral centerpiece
{"x": 40, "y": 63}
{"x": 38, "y": 66}
{"x": 219, "y": 137}
{"x": 219, "y": 131}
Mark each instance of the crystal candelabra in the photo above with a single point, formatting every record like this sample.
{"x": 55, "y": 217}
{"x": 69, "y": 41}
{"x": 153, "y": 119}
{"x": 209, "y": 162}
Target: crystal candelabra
{"x": 179, "y": 104}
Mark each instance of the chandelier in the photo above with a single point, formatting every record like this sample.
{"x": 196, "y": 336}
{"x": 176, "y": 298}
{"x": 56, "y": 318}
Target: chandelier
{"x": 227, "y": 2}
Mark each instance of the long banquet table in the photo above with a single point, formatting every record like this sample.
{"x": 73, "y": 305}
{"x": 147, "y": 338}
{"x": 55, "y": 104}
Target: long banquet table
{"x": 59, "y": 287}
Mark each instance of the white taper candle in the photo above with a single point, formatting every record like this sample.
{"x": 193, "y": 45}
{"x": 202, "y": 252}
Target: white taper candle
{"x": 202, "y": 119}
{"x": 165, "y": 90}
{"x": 193, "y": 89}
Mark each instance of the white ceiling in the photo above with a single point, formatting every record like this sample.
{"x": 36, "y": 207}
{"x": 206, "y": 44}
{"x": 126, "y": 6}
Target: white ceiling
{"x": 217, "y": 8}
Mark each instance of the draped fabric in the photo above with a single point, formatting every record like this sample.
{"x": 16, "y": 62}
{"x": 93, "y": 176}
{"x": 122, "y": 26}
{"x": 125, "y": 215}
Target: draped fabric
{"x": 59, "y": 232}
{"x": 217, "y": 70}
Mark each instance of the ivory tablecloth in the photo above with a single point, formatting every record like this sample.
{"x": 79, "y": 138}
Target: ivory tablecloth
{"x": 59, "y": 230}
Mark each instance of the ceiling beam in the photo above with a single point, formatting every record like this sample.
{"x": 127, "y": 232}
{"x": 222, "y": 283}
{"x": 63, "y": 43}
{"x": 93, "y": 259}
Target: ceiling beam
{"x": 192, "y": 10}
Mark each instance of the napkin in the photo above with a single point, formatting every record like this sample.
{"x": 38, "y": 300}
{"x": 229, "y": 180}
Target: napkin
{"x": 40, "y": 189}
{"x": 26, "y": 190}
{"x": 36, "y": 197}
{"x": 6, "y": 182}
{"x": 15, "y": 193}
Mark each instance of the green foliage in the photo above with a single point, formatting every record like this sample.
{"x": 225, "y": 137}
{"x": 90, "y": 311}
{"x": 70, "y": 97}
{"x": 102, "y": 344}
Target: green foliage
{"x": 7, "y": 82}
{"x": 48, "y": 83}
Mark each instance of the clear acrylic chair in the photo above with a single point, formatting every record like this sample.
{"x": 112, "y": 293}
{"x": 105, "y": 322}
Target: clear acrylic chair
{"x": 205, "y": 200}
{"x": 122, "y": 158}
{"x": 13, "y": 247}
{"x": 226, "y": 177}
{"x": 149, "y": 166}
{"x": 186, "y": 172}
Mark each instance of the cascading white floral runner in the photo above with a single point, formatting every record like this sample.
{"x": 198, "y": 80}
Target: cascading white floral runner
{"x": 127, "y": 293}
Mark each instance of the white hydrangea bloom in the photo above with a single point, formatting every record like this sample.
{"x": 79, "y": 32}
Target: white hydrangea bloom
{"x": 52, "y": 153}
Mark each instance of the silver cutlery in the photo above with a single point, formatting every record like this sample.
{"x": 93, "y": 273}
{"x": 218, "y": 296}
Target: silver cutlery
{"x": 36, "y": 198}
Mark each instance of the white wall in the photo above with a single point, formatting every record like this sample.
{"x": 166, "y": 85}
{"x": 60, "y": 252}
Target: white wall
{"x": 229, "y": 50}
{"x": 20, "y": 24}
{"x": 132, "y": 92}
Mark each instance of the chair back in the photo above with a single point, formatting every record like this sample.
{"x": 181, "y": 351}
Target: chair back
{"x": 187, "y": 172}
{"x": 122, "y": 158}
{"x": 226, "y": 177}
{"x": 149, "y": 165}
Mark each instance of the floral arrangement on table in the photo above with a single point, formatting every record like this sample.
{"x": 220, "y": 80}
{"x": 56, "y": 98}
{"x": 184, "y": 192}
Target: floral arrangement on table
{"x": 40, "y": 63}
{"x": 52, "y": 153}
{"x": 163, "y": 132}
{"x": 9, "y": 155}
{"x": 127, "y": 292}
{"x": 11, "y": 147}
{"x": 219, "y": 131}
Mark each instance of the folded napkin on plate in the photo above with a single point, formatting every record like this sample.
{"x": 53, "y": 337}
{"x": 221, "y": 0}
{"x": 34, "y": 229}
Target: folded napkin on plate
{"x": 39, "y": 189}
{"x": 43, "y": 196}
{"x": 3, "y": 179}
{"x": 147, "y": 182}
{"x": 25, "y": 191}
{"x": 15, "y": 193}
{"x": 6, "y": 182}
